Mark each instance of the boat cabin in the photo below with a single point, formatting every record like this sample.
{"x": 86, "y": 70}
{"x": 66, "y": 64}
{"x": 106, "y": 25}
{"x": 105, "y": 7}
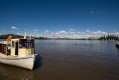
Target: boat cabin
{"x": 18, "y": 47}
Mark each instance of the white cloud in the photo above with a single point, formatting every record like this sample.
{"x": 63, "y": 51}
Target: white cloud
{"x": 88, "y": 31}
{"x": 18, "y": 33}
{"x": 82, "y": 32}
{"x": 71, "y": 32}
{"x": 13, "y": 27}
{"x": 71, "y": 29}
{"x": 62, "y": 32}
{"x": 116, "y": 34}
{"x": 79, "y": 32}
{"x": 99, "y": 33}
{"x": 57, "y": 33}
{"x": 46, "y": 31}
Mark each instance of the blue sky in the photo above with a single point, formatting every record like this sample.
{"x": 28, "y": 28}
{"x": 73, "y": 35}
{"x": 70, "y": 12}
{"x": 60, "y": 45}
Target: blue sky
{"x": 60, "y": 18}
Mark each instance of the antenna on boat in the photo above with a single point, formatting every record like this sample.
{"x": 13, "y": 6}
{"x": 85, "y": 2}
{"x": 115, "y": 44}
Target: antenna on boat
{"x": 24, "y": 35}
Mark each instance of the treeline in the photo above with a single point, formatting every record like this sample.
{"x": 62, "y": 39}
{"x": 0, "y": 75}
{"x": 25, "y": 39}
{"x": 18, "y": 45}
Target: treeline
{"x": 13, "y": 36}
{"x": 109, "y": 37}
{"x": 43, "y": 38}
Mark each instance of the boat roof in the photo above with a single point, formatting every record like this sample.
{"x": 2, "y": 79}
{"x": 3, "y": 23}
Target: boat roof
{"x": 4, "y": 42}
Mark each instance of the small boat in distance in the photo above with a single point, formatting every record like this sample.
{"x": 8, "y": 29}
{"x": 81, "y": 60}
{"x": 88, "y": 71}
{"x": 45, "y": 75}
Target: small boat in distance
{"x": 117, "y": 45}
{"x": 18, "y": 52}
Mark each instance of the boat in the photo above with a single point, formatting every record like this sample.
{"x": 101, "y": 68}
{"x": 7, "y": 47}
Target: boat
{"x": 18, "y": 52}
{"x": 117, "y": 45}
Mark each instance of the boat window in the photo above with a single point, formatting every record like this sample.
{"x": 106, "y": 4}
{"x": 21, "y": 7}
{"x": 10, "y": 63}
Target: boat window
{"x": 3, "y": 48}
{"x": 24, "y": 43}
{"x": 13, "y": 44}
{"x": 29, "y": 45}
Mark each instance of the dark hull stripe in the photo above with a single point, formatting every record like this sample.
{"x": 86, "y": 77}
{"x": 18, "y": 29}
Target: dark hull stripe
{"x": 16, "y": 58}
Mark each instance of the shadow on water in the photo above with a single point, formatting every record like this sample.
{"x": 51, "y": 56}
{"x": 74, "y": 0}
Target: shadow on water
{"x": 37, "y": 63}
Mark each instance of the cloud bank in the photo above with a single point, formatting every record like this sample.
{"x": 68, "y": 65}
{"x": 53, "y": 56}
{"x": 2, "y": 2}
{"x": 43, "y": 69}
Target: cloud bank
{"x": 71, "y": 33}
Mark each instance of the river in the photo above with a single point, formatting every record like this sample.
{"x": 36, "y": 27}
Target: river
{"x": 69, "y": 60}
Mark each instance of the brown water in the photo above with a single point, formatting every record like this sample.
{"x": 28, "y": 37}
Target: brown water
{"x": 69, "y": 60}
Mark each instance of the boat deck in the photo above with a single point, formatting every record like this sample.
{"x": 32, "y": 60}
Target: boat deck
{"x": 8, "y": 56}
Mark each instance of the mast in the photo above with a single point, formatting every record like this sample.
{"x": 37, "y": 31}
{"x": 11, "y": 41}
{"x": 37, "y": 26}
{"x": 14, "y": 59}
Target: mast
{"x": 24, "y": 35}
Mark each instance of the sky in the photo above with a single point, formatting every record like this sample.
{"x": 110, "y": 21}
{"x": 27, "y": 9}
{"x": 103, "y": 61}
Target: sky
{"x": 60, "y": 18}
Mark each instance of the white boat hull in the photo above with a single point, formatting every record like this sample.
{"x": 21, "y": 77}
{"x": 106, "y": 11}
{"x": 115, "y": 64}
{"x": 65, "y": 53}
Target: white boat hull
{"x": 24, "y": 62}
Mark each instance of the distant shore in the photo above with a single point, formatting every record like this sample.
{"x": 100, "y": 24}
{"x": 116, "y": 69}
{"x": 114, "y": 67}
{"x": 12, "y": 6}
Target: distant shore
{"x": 105, "y": 38}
